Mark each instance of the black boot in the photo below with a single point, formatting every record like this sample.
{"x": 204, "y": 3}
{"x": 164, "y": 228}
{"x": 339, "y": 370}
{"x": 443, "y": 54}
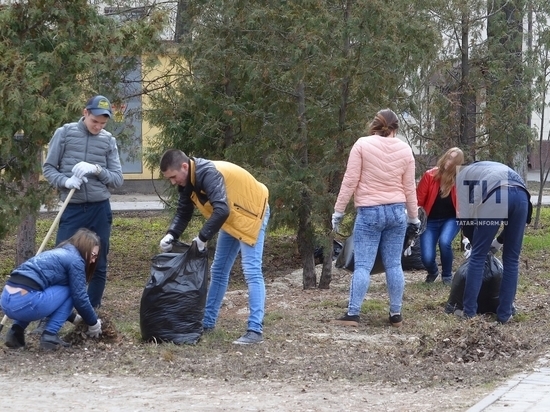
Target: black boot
{"x": 432, "y": 278}
{"x": 50, "y": 341}
{"x": 15, "y": 337}
{"x": 41, "y": 327}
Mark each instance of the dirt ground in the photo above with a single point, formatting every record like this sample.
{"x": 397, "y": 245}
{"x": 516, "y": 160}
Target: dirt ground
{"x": 118, "y": 374}
{"x": 433, "y": 363}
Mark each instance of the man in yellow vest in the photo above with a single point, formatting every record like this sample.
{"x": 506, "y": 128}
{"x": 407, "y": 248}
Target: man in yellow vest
{"x": 236, "y": 205}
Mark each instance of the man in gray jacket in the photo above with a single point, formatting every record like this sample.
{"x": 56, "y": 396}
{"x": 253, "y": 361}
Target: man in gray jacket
{"x": 83, "y": 156}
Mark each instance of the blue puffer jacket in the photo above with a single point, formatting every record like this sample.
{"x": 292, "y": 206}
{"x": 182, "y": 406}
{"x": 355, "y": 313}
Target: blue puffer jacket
{"x": 73, "y": 143}
{"x": 62, "y": 266}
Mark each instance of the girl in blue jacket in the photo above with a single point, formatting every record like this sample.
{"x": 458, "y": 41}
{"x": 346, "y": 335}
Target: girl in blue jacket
{"x": 49, "y": 285}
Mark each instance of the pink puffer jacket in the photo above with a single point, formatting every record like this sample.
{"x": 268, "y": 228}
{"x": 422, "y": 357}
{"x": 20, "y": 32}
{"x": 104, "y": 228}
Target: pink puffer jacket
{"x": 380, "y": 171}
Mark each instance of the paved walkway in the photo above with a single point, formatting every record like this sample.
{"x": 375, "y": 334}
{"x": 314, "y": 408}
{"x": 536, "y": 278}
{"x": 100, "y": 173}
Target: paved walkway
{"x": 529, "y": 391}
{"x": 139, "y": 202}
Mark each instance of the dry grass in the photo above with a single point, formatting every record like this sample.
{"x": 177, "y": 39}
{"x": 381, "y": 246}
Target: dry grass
{"x": 432, "y": 351}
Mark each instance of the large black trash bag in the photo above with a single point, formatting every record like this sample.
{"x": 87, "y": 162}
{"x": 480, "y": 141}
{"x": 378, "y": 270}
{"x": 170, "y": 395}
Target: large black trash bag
{"x": 345, "y": 258}
{"x": 414, "y": 260}
{"x": 172, "y": 304}
{"x": 487, "y": 301}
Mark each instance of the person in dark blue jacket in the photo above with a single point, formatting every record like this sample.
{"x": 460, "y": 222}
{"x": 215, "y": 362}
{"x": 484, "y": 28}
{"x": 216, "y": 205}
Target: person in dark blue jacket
{"x": 49, "y": 285}
{"x": 491, "y": 194}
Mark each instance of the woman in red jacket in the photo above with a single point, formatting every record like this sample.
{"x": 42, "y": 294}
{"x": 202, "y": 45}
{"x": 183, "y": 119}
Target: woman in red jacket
{"x": 436, "y": 193}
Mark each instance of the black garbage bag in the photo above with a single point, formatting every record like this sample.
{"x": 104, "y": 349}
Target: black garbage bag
{"x": 345, "y": 258}
{"x": 487, "y": 301}
{"x": 414, "y": 260}
{"x": 172, "y": 303}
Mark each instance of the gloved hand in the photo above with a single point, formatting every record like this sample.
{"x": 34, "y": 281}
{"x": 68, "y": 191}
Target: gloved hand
{"x": 73, "y": 182}
{"x": 467, "y": 247}
{"x": 414, "y": 224}
{"x": 200, "y": 244}
{"x": 166, "y": 243}
{"x": 77, "y": 319}
{"x": 408, "y": 251}
{"x": 337, "y": 218}
{"x": 95, "y": 330}
{"x": 83, "y": 168}
{"x": 496, "y": 244}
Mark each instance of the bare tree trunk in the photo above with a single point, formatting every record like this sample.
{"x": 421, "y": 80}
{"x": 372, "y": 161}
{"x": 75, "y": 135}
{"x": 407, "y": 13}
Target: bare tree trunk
{"x": 181, "y": 23}
{"x": 467, "y": 95}
{"x": 326, "y": 272}
{"x": 26, "y": 239}
{"x": 305, "y": 234}
{"x": 26, "y": 232}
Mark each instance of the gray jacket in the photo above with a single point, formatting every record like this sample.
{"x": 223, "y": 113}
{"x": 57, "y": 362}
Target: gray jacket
{"x": 73, "y": 143}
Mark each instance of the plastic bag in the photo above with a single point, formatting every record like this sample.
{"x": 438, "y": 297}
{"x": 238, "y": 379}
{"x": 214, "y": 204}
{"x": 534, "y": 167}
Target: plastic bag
{"x": 414, "y": 260}
{"x": 488, "y": 299}
{"x": 345, "y": 258}
{"x": 172, "y": 303}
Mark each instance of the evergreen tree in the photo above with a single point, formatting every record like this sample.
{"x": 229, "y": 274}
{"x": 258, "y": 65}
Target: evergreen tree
{"x": 55, "y": 54}
{"x": 285, "y": 89}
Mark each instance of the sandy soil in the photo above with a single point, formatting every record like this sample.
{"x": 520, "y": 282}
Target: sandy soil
{"x": 104, "y": 393}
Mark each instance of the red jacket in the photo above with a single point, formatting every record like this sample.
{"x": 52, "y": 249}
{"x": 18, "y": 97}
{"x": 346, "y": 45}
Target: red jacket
{"x": 427, "y": 191}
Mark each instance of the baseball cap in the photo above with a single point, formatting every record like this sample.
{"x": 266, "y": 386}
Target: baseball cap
{"x": 99, "y": 105}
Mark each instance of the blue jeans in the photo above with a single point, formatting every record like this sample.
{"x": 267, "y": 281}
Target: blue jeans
{"x": 442, "y": 231}
{"x": 378, "y": 227}
{"x": 483, "y": 236}
{"x": 97, "y": 217}
{"x": 54, "y": 303}
{"x": 227, "y": 249}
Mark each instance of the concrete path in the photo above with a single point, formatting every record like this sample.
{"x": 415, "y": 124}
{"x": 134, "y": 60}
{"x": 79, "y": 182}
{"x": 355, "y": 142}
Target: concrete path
{"x": 529, "y": 391}
{"x": 139, "y": 202}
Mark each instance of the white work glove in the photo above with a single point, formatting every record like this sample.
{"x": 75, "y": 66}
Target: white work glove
{"x": 413, "y": 223}
{"x": 73, "y": 182}
{"x": 95, "y": 330}
{"x": 467, "y": 247}
{"x": 496, "y": 244}
{"x": 337, "y": 218}
{"x": 77, "y": 319}
{"x": 200, "y": 244}
{"x": 83, "y": 168}
{"x": 408, "y": 251}
{"x": 166, "y": 243}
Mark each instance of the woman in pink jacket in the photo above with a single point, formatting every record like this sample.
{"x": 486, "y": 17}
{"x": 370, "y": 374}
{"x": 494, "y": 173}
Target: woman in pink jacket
{"x": 436, "y": 193}
{"x": 380, "y": 175}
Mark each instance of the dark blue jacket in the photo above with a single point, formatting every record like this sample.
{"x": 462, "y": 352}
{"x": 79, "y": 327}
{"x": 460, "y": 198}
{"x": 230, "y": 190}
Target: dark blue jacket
{"x": 62, "y": 266}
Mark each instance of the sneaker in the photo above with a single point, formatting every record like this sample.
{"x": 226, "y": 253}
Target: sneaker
{"x": 450, "y": 308}
{"x": 461, "y": 315}
{"x": 447, "y": 281}
{"x": 504, "y": 321}
{"x": 396, "y": 320}
{"x": 41, "y": 327}
{"x": 49, "y": 341}
{"x": 15, "y": 337}
{"x": 249, "y": 338}
{"x": 432, "y": 278}
{"x": 347, "y": 320}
